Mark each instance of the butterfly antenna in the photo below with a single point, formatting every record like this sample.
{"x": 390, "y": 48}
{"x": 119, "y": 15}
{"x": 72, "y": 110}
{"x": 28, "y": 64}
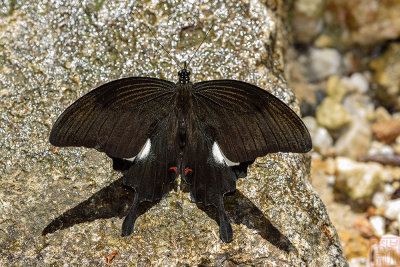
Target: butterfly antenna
{"x": 165, "y": 50}
{"x": 209, "y": 30}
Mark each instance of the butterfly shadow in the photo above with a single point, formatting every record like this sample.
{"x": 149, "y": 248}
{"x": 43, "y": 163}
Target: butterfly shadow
{"x": 111, "y": 201}
{"x": 241, "y": 210}
{"x": 115, "y": 200}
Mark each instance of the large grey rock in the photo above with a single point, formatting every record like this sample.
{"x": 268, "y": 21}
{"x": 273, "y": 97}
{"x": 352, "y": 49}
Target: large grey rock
{"x": 54, "y": 52}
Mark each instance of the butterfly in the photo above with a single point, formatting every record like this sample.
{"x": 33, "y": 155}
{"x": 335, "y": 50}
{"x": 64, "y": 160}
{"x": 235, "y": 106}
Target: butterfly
{"x": 156, "y": 130}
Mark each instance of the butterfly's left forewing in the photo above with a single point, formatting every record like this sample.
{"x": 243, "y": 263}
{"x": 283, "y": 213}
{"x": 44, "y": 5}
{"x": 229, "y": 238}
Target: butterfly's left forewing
{"x": 116, "y": 118}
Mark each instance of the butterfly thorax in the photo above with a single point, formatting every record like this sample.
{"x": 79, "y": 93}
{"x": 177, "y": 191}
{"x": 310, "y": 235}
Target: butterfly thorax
{"x": 183, "y": 105}
{"x": 184, "y": 76}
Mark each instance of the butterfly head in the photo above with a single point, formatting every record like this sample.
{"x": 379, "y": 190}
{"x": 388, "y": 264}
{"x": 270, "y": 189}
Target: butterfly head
{"x": 184, "y": 75}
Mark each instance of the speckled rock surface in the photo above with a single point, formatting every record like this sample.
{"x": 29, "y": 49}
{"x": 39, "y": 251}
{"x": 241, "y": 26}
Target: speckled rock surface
{"x": 54, "y": 52}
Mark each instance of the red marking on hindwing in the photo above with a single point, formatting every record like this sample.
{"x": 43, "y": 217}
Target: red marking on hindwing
{"x": 188, "y": 171}
{"x": 174, "y": 169}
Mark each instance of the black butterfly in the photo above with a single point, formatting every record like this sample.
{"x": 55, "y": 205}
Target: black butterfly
{"x": 207, "y": 132}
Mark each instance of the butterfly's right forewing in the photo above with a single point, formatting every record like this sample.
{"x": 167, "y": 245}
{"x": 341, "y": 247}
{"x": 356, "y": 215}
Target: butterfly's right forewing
{"x": 246, "y": 121}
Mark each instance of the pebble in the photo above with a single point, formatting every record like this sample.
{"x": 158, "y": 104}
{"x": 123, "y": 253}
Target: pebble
{"x": 389, "y": 190}
{"x": 308, "y": 17}
{"x": 396, "y": 115}
{"x": 322, "y": 140}
{"x": 387, "y": 150}
{"x": 378, "y": 148}
{"x": 359, "y": 82}
{"x": 324, "y": 41}
{"x": 367, "y": 22}
{"x": 335, "y": 88}
{"x": 364, "y": 228}
{"x": 324, "y": 62}
{"x": 392, "y": 209}
{"x": 379, "y": 199}
{"x": 359, "y": 106}
{"x": 359, "y": 181}
{"x": 378, "y": 223}
{"x": 355, "y": 246}
{"x": 381, "y": 114}
{"x": 356, "y": 83}
{"x": 332, "y": 115}
{"x": 394, "y": 227}
{"x": 386, "y": 70}
{"x": 355, "y": 141}
{"x": 386, "y": 131}
{"x": 358, "y": 261}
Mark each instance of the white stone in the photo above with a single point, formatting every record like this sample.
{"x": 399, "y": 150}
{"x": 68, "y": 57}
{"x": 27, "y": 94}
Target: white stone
{"x": 379, "y": 199}
{"x": 387, "y": 150}
{"x": 388, "y": 189}
{"x": 331, "y": 180}
{"x": 356, "y": 140}
{"x": 359, "y": 82}
{"x": 310, "y": 7}
{"x": 322, "y": 140}
{"x": 378, "y": 223}
{"x": 359, "y": 106}
{"x": 358, "y": 262}
{"x": 357, "y": 180}
{"x": 375, "y": 148}
{"x": 325, "y": 62}
{"x": 392, "y": 209}
{"x": 311, "y": 123}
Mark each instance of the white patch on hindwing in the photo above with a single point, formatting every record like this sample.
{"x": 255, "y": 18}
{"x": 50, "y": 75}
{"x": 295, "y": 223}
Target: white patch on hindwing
{"x": 219, "y": 157}
{"x": 143, "y": 153}
{"x": 130, "y": 159}
{"x": 145, "y": 150}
